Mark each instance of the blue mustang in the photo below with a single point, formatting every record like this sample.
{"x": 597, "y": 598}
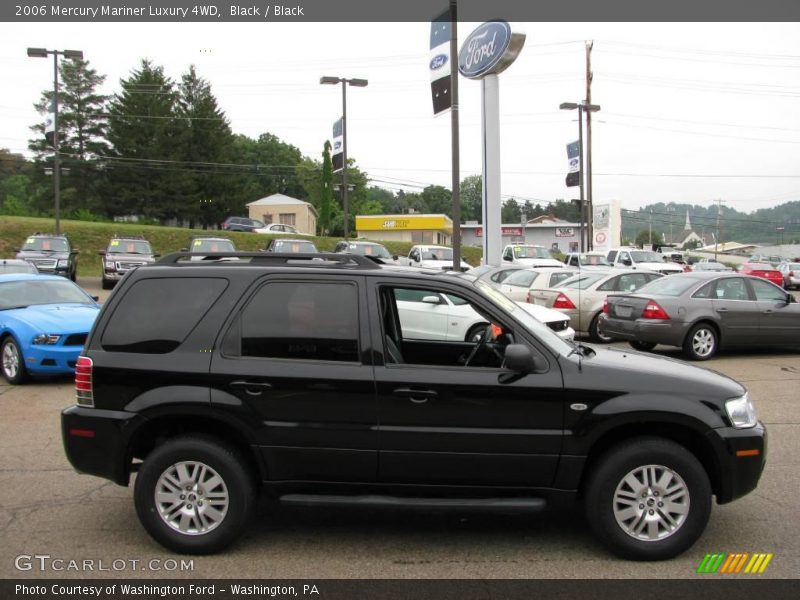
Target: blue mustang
{"x": 44, "y": 321}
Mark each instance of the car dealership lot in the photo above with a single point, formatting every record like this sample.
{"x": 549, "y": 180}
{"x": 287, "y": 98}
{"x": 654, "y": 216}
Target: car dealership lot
{"x": 48, "y": 509}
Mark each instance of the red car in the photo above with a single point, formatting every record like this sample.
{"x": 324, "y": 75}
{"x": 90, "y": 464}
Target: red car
{"x": 763, "y": 270}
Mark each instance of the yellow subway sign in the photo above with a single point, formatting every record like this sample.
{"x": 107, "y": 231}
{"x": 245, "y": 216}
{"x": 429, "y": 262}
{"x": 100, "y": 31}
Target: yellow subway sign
{"x": 724, "y": 563}
{"x": 403, "y": 222}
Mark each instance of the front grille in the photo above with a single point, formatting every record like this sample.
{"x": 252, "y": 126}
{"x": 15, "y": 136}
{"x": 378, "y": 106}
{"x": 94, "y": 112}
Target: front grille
{"x": 76, "y": 339}
{"x": 558, "y": 325}
{"x": 127, "y": 266}
{"x": 45, "y": 263}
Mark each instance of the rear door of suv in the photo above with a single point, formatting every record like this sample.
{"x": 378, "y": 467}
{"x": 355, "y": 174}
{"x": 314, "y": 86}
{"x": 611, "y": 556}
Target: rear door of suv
{"x": 291, "y": 358}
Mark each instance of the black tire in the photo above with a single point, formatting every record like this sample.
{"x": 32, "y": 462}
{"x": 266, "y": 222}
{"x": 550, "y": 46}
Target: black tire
{"x": 656, "y": 456}
{"x": 642, "y": 346}
{"x": 107, "y": 284}
{"x": 594, "y": 332}
{"x": 14, "y": 371}
{"x": 237, "y": 481}
{"x": 701, "y": 343}
{"x": 475, "y": 332}
{"x": 73, "y": 276}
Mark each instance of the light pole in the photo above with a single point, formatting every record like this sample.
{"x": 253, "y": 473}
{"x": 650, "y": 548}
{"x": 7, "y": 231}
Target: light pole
{"x": 42, "y": 53}
{"x": 345, "y": 82}
{"x": 581, "y": 107}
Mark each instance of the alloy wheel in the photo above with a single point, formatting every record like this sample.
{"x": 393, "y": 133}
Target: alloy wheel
{"x": 191, "y": 498}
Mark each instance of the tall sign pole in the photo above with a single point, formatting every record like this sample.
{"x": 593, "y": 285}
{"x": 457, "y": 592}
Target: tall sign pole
{"x": 488, "y": 51}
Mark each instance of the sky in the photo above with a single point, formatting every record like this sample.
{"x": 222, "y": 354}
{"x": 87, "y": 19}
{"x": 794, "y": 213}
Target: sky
{"x": 690, "y": 112}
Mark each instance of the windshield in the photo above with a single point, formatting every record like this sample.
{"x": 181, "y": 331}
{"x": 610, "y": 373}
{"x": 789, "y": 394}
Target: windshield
{"x": 46, "y": 244}
{"x": 641, "y": 256}
{"x": 20, "y": 294}
{"x": 437, "y": 254}
{"x": 581, "y": 282}
{"x": 370, "y": 250}
{"x": 531, "y": 252}
{"x": 213, "y": 246}
{"x": 129, "y": 247}
{"x": 531, "y": 323}
{"x": 295, "y": 247}
{"x": 674, "y": 286}
{"x": 593, "y": 260}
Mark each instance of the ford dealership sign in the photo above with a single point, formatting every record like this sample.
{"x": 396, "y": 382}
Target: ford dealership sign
{"x": 490, "y": 49}
{"x": 438, "y": 61}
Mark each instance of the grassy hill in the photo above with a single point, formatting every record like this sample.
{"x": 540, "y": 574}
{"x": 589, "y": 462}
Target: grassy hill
{"x": 90, "y": 238}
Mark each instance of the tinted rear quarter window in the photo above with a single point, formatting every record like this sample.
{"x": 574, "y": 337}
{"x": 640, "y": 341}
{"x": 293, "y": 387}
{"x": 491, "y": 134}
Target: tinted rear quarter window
{"x": 156, "y": 315}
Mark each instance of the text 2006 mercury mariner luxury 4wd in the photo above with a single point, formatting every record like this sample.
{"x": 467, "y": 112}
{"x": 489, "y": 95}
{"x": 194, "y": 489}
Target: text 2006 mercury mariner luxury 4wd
{"x": 293, "y": 376}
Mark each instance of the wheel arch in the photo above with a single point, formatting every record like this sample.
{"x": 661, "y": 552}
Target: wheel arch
{"x": 157, "y": 429}
{"x": 691, "y": 439}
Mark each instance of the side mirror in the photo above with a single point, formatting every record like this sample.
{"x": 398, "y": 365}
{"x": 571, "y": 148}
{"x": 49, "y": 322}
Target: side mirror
{"x": 394, "y": 256}
{"x": 96, "y": 298}
{"x": 156, "y": 256}
{"x": 432, "y": 300}
{"x": 521, "y": 359}
{"x": 507, "y": 257}
{"x": 626, "y": 261}
{"x": 790, "y": 299}
{"x": 102, "y": 253}
{"x": 184, "y": 249}
{"x": 15, "y": 249}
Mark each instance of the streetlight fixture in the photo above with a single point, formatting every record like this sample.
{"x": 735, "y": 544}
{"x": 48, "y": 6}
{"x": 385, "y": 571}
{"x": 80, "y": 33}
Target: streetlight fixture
{"x": 42, "y": 53}
{"x": 345, "y": 82}
{"x": 584, "y": 107}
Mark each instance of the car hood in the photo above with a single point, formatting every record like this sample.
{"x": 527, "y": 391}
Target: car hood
{"x": 652, "y": 266}
{"x": 539, "y": 262}
{"x": 544, "y": 314}
{"x": 57, "y": 318}
{"x": 121, "y": 256}
{"x": 657, "y": 374}
{"x": 26, "y": 254}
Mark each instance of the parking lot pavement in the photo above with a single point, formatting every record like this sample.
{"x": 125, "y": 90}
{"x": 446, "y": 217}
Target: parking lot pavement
{"x": 48, "y": 509}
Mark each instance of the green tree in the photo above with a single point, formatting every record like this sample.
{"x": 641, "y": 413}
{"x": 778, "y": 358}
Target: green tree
{"x": 438, "y": 199}
{"x": 206, "y": 141}
{"x": 144, "y": 171}
{"x": 471, "y": 198}
{"x": 511, "y": 212}
{"x": 81, "y": 134}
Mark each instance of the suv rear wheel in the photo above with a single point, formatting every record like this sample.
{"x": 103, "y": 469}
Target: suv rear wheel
{"x": 194, "y": 494}
{"x": 648, "y": 499}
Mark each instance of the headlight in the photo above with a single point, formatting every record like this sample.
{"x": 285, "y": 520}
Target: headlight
{"x": 109, "y": 264}
{"x": 45, "y": 338}
{"x": 63, "y": 263}
{"x": 741, "y": 412}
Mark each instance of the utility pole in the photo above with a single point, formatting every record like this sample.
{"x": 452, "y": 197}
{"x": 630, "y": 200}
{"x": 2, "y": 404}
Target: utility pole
{"x": 588, "y": 102}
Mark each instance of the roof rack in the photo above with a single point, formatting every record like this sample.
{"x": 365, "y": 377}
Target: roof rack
{"x": 322, "y": 259}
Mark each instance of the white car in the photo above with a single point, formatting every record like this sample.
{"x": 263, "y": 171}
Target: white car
{"x": 529, "y": 255}
{"x": 426, "y": 315}
{"x": 431, "y": 257}
{"x": 276, "y": 228}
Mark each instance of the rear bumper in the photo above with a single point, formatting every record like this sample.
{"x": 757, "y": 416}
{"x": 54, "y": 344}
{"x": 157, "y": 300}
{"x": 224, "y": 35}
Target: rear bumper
{"x": 739, "y": 474}
{"x": 96, "y": 441}
{"x": 644, "y": 330}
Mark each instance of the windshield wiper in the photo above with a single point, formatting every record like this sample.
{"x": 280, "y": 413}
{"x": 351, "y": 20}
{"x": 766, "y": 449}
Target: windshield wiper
{"x": 14, "y": 307}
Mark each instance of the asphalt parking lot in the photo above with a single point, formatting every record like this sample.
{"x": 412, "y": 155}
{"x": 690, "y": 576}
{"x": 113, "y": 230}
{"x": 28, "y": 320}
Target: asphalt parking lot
{"x": 48, "y": 509}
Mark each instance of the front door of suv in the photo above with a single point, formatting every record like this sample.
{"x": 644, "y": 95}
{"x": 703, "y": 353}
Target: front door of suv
{"x": 291, "y": 362}
{"x": 444, "y": 423}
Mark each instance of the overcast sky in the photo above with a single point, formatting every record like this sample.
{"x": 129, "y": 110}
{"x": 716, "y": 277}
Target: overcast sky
{"x": 719, "y": 101}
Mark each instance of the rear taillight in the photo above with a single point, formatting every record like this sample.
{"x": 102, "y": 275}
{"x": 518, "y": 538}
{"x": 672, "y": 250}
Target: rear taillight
{"x": 563, "y": 302}
{"x": 654, "y": 311}
{"x": 83, "y": 381}
{"x": 605, "y": 306}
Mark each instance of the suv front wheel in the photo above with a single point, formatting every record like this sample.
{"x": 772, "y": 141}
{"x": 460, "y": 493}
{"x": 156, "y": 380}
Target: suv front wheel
{"x": 648, "y": 499}
{"x": 194, "y": 494}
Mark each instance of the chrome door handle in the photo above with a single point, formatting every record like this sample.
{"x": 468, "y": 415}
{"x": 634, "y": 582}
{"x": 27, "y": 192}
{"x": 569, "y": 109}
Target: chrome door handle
{"x": 252, "y": 388}
{"x": 416, "y": 396}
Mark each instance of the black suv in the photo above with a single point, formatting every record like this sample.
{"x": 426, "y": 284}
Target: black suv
{"x": 305, "y": 377}
{"x": 52, "y": 254}
{"x": 122, "y": 255}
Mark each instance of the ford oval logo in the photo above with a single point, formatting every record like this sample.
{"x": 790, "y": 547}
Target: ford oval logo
{"x": 484, "y": 48}
{"x": 438, "y": 61}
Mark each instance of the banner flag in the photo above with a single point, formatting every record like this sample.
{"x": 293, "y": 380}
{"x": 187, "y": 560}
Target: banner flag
{"x": 337, "y": 157}
{"x": 439, "y": 65}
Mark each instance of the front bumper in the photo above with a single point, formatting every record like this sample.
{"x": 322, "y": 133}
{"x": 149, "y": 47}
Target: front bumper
{"x": 51, "y": 360}
{"x": 644, "y": 330}
{"x": 738, "y": 473}
{"x": 96, "y": 441}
